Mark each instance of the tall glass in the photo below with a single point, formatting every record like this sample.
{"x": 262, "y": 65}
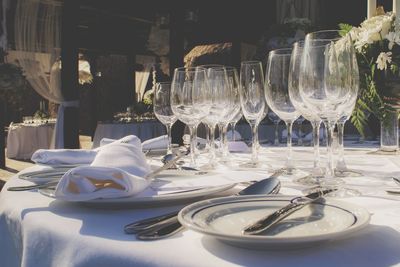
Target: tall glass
{"x": 189, "y": 101}
{"x": 300, "y": 104}
{"x": 231, "y": 111}
{"x": 277, "y": 95}
{"x": 325, "y": 84}
{"x": 218, "y": 95}
{"x": 162, "y": 109}
{"x": 275, "y": 120}
{"x": 252, "y": 100}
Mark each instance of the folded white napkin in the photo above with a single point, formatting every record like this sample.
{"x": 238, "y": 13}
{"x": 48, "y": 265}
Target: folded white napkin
{"x": 156, "y": 143}
{"x": 235, "y": 136}
{"x": 75, "y": 156}
{"x": 117, "y": 171}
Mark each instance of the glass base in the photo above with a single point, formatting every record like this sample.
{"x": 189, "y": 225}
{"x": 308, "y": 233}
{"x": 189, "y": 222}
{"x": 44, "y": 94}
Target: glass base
{"x": 320, "y": 181}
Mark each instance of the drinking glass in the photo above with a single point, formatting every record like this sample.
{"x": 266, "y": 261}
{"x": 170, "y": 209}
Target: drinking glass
{"x": 163, "y": 110}
{"x": 324, "y": 83}
{"x": 189, "y": 102}
{"x": 231, "y": 111}
{"x": 277, "y": 95}
{"x": 300, "y": 104}
{"x": 252, "y": 100}
{"x": 275, "y": 120}
{"x": 205, "y": 120}
{"x": 219, "y": 101}
{"x": 341, "y": 166}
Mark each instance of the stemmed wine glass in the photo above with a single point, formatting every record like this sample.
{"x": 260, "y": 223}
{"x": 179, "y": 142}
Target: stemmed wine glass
{"x": 189, "y": 100}
{"x": 219, "y": 102}
{"x": 236, "y": 118}
{"x": 277, "y": 95}
{"x": 162, "y": 109}
{"x": 299, "y": 122}
{"x": 231, "y": 110}
{"x": 341, "y": 167}
{"x": 252, "y": 100}
{"x": 325, "y": 84}
{"x": 300, "y": 104}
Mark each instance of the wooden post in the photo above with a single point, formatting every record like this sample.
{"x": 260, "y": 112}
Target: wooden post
{"x": 69, "y": 71}
{"x": 2, "y": 136}
{"x": 176, "y": 54}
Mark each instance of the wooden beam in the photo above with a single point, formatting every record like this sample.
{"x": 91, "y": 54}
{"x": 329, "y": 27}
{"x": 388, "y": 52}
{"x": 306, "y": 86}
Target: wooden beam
{"x": 176, "y": 55}
{"x": 69, "y": 71}
{"x": 2, "y": 136}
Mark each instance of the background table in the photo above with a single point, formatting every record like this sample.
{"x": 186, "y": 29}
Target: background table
{"x": 144, "y": 130}
{"x": 24, "y": 139}
{"x": 38, "y": 231}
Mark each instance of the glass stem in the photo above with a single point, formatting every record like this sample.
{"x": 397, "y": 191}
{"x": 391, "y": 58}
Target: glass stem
{"x": 169, "y": 148}
{"x": 193, "y": 141}
{"x": 207, "y": 136}
{"x": 289, "y": 162}
{"x": 233, "y": 131}
{"x": 256, "y": 140}
{"x": 341, "y": 165}
{"x": 225, "y": 150}
{"x": 315, "y": 128}
{"x": 330, "y": 170}
{"x": 212, "y": 144}
{"x": 276, "y": 141}
{"x": 300, "y": 138}
{"x": 254, "y": 154}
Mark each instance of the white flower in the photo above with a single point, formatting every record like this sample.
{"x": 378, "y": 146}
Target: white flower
{"x": 383, "y": 59}
{"x": 393, "y": 37}
{"x": 372, "y": 30}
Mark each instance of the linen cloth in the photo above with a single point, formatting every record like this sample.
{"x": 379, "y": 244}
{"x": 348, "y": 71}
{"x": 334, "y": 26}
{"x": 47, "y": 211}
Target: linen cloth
{"x": 24, "y": 139}
{"x": 118, "y": 170}
{"x": 153, "y": 143}
{"x": 38, "y": 231}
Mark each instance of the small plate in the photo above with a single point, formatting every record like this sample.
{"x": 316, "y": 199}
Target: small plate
{"x": 225, "y": 218}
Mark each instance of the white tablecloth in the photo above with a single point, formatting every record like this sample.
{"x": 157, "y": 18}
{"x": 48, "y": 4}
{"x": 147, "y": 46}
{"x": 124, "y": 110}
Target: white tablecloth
{"x": 24, "y": 139}
{"x": 38, "y": 231}
{"x": 144, "y": 130}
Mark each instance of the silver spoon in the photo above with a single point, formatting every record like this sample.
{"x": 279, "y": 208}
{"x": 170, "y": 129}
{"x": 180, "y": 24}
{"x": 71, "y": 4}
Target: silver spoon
{"x": 166, "y": 225}
{"x": 397, "y": 180}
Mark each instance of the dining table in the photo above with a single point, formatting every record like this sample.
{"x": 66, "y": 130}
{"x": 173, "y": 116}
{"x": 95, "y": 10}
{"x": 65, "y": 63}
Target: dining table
{"x": 38, "y": 230}
{"x": 23, "y": 139}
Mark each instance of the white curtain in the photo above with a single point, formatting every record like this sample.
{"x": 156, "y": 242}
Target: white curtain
{"x": 37, "y": 42}
{"x": 142, "y": 77}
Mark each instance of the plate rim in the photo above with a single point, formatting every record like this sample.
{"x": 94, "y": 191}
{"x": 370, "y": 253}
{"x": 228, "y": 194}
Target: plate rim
{"x": 268, "y": 239}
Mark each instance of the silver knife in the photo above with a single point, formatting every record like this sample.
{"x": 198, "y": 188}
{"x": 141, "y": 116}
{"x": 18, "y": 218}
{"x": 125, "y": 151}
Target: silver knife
{"x": 294, "y": 205}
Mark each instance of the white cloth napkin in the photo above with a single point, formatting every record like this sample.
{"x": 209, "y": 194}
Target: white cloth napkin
{"x": 75, "y": 156}
{"x": 117, "y": 171}
{"x": 160, "y": 142}
{"x": 238, "y": 146}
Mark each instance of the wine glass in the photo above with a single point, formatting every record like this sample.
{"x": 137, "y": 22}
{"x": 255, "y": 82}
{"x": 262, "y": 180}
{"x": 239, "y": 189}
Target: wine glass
{"x": 341, "y": 167}
{"x": 277, "y": 95}
{"x": 189, "y": 101}
{"x": 162, "y": 109}
{"x": 252, "y": 100}
{"x": 231, "y": 111}
{"x": 205, "y": 120}
{"x": 275, "y": 120}
{"x": 219, "y": 101}
{"x": 299, "y": 103}
{"x": 324, "y": 83}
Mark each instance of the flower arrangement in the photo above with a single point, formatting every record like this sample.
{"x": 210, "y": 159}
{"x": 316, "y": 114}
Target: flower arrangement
{"x": 377, "y": 44}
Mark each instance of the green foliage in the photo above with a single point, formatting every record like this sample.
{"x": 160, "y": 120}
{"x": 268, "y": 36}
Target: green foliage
{"x": 344, "y": 29}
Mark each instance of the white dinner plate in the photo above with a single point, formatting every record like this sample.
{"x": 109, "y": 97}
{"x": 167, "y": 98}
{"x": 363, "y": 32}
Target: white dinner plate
{"x": 46, "y": 175}
{"x": 153, "y": 196}
{"x": 225, "y": 218}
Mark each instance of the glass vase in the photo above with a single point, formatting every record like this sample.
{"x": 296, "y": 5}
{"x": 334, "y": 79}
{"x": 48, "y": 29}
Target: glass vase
{"x": 390, "y": 132}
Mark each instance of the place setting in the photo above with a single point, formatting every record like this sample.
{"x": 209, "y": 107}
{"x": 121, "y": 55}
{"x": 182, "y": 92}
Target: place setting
{"x": 175, "y": 144}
